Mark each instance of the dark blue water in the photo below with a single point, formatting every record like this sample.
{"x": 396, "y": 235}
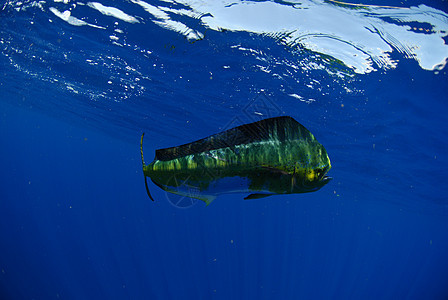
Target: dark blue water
{"x": 80, "y": 82}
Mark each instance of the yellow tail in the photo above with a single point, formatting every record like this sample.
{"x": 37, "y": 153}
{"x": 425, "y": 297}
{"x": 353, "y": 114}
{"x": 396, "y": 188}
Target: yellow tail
{"x": 143, "y": 163}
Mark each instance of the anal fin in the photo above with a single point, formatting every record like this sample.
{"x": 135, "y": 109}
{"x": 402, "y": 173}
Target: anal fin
{"x": 257, "y": 196}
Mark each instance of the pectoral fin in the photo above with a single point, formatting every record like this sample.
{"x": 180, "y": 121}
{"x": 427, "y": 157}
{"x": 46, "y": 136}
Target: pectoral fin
{"x": 206, "y": 198}
{"x": 275, "y": 170}
{"x": 257, "y": 196}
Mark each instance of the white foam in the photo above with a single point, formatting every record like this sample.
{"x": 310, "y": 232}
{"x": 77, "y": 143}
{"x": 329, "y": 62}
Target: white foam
{"x": 113, "y": 12}
{"x": 66, "y": 16}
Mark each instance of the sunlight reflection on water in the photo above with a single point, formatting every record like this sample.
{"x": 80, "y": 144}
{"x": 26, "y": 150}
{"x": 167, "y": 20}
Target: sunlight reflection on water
{"x": 362, "y": 37}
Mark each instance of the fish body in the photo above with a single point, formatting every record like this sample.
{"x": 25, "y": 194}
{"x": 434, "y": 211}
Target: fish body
{"x": 264, "y": 158}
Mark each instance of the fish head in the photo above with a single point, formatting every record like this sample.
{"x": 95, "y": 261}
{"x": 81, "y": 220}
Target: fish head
{"x": 314, "y": 176}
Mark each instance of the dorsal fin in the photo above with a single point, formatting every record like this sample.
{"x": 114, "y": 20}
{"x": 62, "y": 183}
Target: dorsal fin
{"x": 279, "y": 128}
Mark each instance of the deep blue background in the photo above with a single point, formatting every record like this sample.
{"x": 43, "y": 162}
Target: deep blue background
{"x": 75, "y": 221}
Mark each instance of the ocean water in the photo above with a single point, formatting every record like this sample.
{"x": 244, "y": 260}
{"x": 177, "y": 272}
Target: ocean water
{"x": 80, "y": 82}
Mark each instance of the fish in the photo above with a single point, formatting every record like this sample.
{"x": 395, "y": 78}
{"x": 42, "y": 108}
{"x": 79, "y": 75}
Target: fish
{"x": 274, "y": 156}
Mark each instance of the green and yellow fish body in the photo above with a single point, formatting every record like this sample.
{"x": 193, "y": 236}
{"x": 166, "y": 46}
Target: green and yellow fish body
{"x": 268, "y": 157}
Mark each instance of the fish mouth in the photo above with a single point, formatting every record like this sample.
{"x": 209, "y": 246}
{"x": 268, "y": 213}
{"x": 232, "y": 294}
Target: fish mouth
{"x": 323, "y": 177}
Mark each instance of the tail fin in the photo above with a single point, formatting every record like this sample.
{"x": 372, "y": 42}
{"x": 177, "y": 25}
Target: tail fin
{"x": 143, "y": 163}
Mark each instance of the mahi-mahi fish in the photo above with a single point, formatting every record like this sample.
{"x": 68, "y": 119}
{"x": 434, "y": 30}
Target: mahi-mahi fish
{"x": 274, "y": 156}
